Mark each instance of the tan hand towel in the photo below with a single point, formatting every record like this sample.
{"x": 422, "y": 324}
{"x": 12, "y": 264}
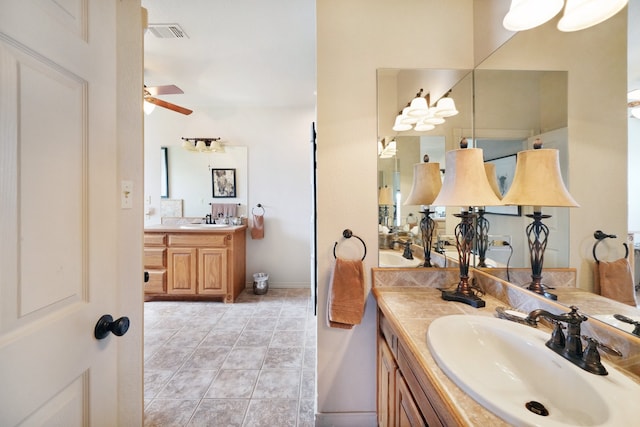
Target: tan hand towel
{"x": 257, "y": 230}
{"x": 346, "y": 294}
{"x": 616, "y": 282}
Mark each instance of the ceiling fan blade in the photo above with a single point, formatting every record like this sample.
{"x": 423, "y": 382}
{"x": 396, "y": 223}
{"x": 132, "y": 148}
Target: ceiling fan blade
{"x": 170, "y": 106}
{"x": 163, "y": 90}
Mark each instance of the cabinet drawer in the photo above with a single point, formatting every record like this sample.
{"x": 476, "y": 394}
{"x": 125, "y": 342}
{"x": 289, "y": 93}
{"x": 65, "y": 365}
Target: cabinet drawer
{"x": 419, "y": 395}
{"x": 157, "y": 283}
{"x": 389, "y": 336}
{"x": 155, "y": 239}
{"x": 155, "y": 257}
{"x": 198, "y": 240}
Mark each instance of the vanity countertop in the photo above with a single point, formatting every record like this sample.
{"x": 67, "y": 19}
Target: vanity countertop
{"x": 410, "y": 310}
{"x": 179, "y": 228}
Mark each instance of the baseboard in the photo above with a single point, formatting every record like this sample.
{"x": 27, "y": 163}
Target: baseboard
{"x": 347, "y": 419}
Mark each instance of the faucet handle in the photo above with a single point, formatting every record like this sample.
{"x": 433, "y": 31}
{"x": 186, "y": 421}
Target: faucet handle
{"x": 604, "y": 347}
{"x": 575, "y": 317}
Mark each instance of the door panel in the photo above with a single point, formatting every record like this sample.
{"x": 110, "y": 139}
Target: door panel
{"x": 58, "y": 212}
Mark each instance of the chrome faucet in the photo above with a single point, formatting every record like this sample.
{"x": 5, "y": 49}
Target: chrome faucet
{"x": 569, "y": 346}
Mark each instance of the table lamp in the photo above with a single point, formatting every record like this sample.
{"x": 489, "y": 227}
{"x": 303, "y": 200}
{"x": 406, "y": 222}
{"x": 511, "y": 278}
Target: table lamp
{"x": 465, "y": 185}
{"x": 538, "y": 182}
{"x": 425, "y": 188}
{"x": 385, "y": 199}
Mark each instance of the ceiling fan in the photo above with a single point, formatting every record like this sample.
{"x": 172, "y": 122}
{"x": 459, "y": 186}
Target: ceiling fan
{"x": 150, "y": 93}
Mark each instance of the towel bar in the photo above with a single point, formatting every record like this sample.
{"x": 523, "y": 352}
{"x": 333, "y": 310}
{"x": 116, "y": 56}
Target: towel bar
{"x": 599, "y": 235}
{"x": 347, "y": 234}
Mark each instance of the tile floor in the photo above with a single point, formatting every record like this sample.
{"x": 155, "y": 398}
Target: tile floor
{"x": 251, "y": 363}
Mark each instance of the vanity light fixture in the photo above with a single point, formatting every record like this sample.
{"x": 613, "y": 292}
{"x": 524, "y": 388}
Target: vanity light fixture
{"x": 386, "y": 150}
{"x": 425, "y": 188}
{"x": 578, "y": 14}
{"x": 419, "y": 116}
{"x": 465, "y": 185}
{"x": 418, "y": 107}
{"x": 538, "y": 182}
{"x": 399, "y": 126}
{"x": 203, "y": 145}
{"x": 446, "y": 107}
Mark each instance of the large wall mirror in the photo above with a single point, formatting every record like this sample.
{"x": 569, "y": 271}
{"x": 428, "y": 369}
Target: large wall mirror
{"x": 500, "y": 111}
{"x": 522, "y": 94}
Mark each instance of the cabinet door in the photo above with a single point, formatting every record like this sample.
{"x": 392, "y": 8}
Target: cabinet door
{"x": 212, "y": 271}
{"x": 182, "y": 271}
{"x": 407, "y": 412}
{"x": 386, "y": 384}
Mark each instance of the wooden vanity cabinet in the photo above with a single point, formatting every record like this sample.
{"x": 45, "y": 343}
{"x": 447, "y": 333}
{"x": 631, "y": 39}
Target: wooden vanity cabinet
{"x": 202, "y": 265}
{"x": 405, "y": 396}
{"x": 155, "y": 262}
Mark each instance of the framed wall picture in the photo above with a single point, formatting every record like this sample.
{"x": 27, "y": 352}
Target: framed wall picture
{"x": 505, "y": 171}
{"x": 224, "y": 182}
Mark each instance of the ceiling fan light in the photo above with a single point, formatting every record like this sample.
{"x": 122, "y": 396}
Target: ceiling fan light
{"x": 581, "y": 14}
{"x": 446, "y": 107}
{"x": 635, "y": 112}
{"x": 148, "y": 107}
{"x": 527, "y": 14}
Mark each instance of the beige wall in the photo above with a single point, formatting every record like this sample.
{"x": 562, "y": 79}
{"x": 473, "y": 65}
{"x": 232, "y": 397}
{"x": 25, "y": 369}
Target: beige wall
{"x": 354, "y": 39}
{"x": 357, "y": 37}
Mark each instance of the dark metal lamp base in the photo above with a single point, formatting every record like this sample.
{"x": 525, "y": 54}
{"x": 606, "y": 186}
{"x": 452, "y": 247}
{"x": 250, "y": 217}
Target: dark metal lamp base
{"x": 471, "y": 300}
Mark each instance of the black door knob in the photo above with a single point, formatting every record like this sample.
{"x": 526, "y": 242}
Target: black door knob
{"x": 106, "y": 324}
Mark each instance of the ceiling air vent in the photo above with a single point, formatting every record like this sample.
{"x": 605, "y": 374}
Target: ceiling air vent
{"x": 167, "y": 31}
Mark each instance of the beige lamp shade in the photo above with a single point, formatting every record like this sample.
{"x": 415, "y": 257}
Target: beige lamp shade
{"x": 385, "y": 196}
{"x": 490, "y": 170}
{"x": 538, "y": 181}
{"x": 426, "y": 184}
{"x": 465, "y": 181}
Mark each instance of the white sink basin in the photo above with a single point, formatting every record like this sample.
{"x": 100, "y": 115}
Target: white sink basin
{"x": 395, "y": 259}
{"x": 505, "y": 365}
{"x": 202, "y": 226}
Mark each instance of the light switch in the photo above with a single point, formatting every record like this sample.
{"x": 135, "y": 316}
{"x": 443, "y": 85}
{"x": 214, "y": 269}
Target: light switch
{"x": 126, "y": 194}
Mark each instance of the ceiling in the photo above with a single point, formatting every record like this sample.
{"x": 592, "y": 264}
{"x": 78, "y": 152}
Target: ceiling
{"x": 241, "y": 53}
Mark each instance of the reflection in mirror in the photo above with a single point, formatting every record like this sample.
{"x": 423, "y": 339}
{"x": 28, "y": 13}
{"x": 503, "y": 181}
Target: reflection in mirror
{"x": 512, "y": 109}
{"x": 190, "y": 178}
{"x": 396, "y": 89}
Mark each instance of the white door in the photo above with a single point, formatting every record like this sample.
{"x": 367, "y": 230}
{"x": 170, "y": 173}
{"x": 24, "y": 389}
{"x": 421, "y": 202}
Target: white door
{"x": 60, "y": 216}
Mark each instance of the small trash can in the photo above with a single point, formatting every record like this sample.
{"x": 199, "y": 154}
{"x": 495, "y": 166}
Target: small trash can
{"x": 260, "y": 283}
